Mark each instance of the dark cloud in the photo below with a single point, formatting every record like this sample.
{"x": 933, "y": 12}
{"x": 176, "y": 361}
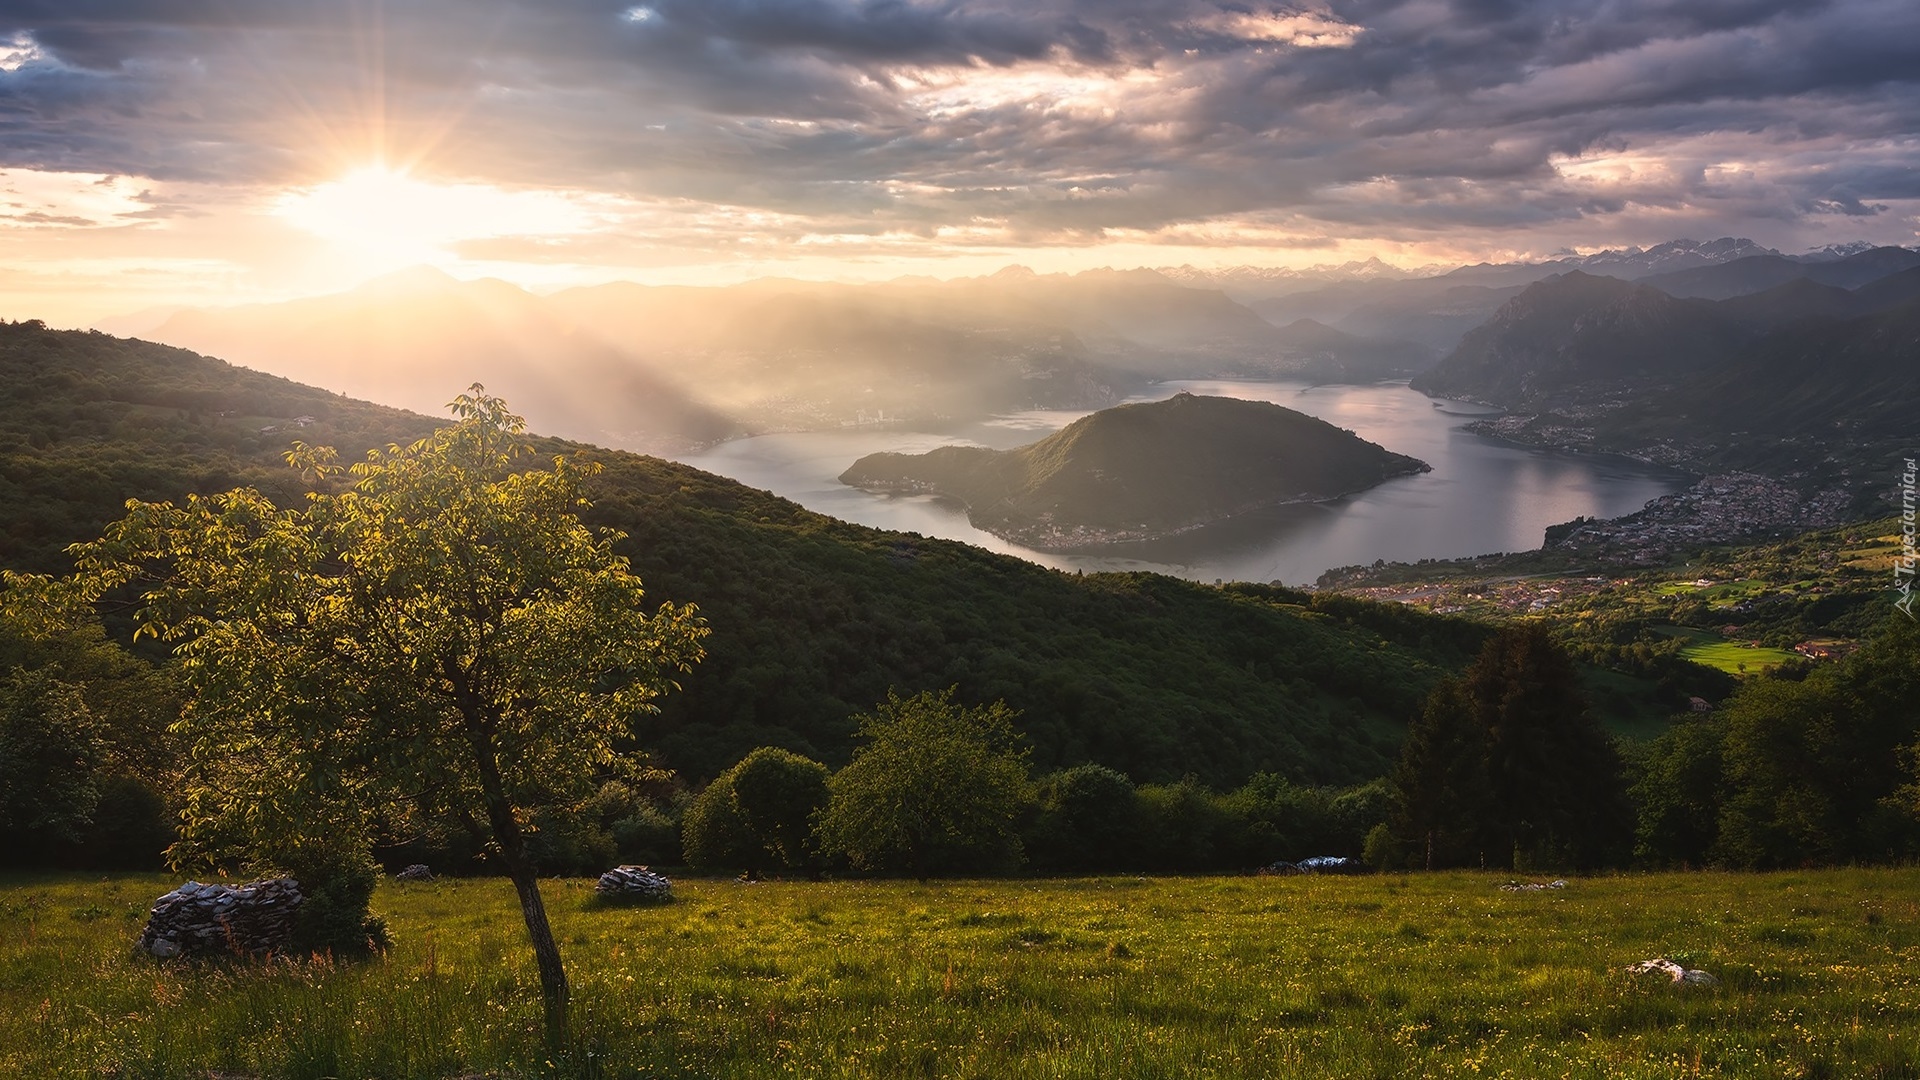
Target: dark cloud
{"x": 1043, "y": 118}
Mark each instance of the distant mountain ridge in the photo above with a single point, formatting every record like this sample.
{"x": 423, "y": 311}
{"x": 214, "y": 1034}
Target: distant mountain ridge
{"x": 667, "y": 368}
{"x": 1574, "y": 330}
{"x": 1577, "y": 339}
{"x": 1755, "y": 273}
{"x": 1142, "y": 471}
{"x": 1247, "y": 282}
{"x": 1436, "y": 307}
{"x": 671, "y": 369}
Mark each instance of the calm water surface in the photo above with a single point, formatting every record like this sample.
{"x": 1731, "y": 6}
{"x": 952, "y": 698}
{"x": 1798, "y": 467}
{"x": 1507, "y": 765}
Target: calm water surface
{"x": 1482, "y": 496}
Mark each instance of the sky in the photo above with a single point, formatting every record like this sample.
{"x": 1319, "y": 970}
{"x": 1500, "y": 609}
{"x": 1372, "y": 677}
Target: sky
{"x": 203, "y": 152}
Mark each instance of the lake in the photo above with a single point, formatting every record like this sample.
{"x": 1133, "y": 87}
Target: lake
{"x": 1483, "y": 495}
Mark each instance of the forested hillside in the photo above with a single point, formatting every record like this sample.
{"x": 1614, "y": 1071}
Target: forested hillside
{"x": 813, "y": 619}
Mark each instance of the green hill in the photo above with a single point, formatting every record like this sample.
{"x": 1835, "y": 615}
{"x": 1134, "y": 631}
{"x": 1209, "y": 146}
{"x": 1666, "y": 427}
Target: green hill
{"x": 1141, "y": 471}
{"x": 813, "y": 619}
{"x": 1580, "y": 335}
{"x": 1821, "y": 388}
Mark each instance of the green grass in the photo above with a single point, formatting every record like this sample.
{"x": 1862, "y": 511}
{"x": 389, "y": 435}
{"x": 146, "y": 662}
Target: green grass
{"x": 1428, "y": 975}
{"x": 1732, "y": 657}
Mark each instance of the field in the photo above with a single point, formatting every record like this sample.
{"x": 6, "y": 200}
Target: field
{"x": 1393, "y": 976}
{"x": 1732, "y": 657}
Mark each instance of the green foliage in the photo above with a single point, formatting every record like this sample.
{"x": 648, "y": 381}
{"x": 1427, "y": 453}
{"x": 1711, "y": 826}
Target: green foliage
{"x": 132, "y": 826}
{"x": 1558, "y": 796}
{"x": 643, "y": 829}
{"x": 778, "y": 793}
{"x": 758, "y": 815}
{"x": 50, "y": 749}
{"x": 93, "y": 420}
{"x": 1183, "y": 826}
{"x": 650, "y": 835}
{"x": 337, "y": 877}
{"x": 1506, "y": 767}
{"x": 1440, "y": 784}
{"x": 571, "y": 842}
{"x": 713, "y": 833}
{"x": 1678, "y": 789}
{"x": 444, "y": 633}
{"x": 1794, "y": 770}
{"x": 936, "y": 789}
{"x": 1089, "y": 819}
{"x": 84, "y": 752}
{"x": 1275, "y": 819}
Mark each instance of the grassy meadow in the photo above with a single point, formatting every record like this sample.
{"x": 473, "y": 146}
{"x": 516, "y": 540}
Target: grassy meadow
{"x": 1732, "y": 657}
{"x": 1391, "y": 976}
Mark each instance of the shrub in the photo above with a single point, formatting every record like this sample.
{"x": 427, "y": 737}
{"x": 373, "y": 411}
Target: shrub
{"x": 936, "y": 789}
{"x": 337, "y": 876}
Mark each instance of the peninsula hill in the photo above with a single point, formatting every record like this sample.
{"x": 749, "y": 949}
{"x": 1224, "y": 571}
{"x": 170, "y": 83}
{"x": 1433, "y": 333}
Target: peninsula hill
{"x": 1138, "y": 472}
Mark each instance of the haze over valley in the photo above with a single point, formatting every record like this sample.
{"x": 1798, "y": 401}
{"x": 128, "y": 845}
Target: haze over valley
{"x": 1649, "y": 355}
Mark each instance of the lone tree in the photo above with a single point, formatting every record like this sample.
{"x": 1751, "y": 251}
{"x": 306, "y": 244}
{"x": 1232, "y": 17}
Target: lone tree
{"x": 936, "y": 788}
{"x": 441, "y": 633}
{"x": 1508, "y": 764}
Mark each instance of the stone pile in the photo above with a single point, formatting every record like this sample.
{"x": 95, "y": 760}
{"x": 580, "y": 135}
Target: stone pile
{"x": 416, "y": 872}
{"x": 1318, "y": 864}
{"x": 1680, "y": 974}
{"x": 1532, "y": 886}
{"x": 202, "y": 920}
{"x": 630, "y": 883}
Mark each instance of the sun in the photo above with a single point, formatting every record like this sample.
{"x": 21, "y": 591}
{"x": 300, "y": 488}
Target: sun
{"x": 387, "y": 218}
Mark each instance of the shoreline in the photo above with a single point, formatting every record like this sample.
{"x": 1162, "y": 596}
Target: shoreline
{"x": 1089, "y": 538}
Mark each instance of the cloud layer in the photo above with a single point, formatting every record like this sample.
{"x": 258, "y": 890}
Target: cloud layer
{"x": 865, "y": 123}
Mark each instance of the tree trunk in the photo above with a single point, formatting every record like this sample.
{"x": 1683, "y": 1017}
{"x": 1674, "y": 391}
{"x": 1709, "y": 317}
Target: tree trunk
{"x": 553, "y": 977}
{"x": 513, "y": 852}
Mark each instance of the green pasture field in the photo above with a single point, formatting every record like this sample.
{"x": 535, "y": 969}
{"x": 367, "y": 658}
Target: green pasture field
{"x": 1714, "y": 651}
{"x": 1382, "y": 976}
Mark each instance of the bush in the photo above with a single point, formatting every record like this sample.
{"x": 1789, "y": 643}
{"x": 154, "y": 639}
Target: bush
{"x": 49, "y": 749}
{"x": 1182, "y": 826}
{"x": 649, "y": 835}
{"x": 758, "y": 815}
{"x": 1089, "y": 819}
{"x": 713, "y": 833}
{"x": 777, "y": 793}
{"x": 337, "y": 876}
{"x": 936, "y": 789}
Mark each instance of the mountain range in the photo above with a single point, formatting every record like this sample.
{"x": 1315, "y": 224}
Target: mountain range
{"x": 1438, "y": 309}
{"x": 1576, "y": 337}
{"x": 670, "y": 369}
{"x": 1806, "y": 382}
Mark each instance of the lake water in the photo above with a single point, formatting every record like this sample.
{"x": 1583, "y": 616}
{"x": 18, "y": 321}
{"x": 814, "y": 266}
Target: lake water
{"x": 1482, "y": 496}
